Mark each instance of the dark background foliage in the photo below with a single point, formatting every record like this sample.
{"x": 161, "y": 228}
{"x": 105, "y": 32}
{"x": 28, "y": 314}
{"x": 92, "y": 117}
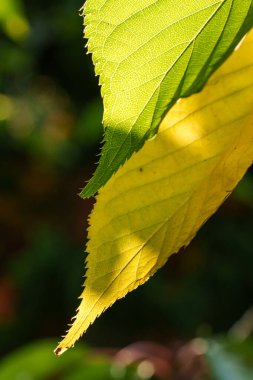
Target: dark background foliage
{"x": 50, "y": 129}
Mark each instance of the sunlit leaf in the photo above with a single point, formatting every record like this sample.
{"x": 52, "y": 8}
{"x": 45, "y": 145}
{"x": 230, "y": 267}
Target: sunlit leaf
{"x": 148, "y": 54}
{"x": 158, "y": 200}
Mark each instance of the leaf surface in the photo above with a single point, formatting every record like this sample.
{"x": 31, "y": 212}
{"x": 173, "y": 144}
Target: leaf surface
{"x": 158, "y": 200}
{"x": 149, "y": 53}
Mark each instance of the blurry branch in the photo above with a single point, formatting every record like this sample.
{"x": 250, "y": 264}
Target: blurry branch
{"x": 243, "y": 328}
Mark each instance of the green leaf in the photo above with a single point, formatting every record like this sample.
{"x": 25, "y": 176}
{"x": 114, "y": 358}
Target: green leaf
{"x": 158, "y": 200}
{"x": 13, "y": 20}
{"x": 36, "y": 362}
{"x": 149, "y": 53}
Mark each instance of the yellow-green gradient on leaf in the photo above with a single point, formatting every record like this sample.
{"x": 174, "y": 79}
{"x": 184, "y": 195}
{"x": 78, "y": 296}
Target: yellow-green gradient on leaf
{"x": 159, "y": 199}
{"x": 148, "y": 54}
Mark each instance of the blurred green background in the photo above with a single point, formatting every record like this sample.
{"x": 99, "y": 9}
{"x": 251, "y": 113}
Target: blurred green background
{"x": 192, "y": 321}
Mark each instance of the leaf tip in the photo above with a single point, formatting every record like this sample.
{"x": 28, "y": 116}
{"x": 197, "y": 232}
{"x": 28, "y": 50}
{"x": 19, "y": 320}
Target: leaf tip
{"x": 90, "y": 189}
{"x": 60, "y": 350}
{"x": 86, "y": 194}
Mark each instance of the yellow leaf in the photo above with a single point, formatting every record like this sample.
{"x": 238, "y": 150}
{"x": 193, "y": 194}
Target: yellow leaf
{"x": 159, "y": 199}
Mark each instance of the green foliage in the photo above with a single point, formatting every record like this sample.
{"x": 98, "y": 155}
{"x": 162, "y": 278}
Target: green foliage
{"x": 148, "y": 55}
{"x": 13, "y": 20}
{"x": 46, "y": 152}
{"x": 225, "y": 365}
{"x": 210, "y": 359}
{"x": 35, "y": 361}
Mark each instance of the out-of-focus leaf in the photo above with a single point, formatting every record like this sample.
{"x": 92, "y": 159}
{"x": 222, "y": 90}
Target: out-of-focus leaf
{"x": 13, "y": 20}
{"x": 36, "y": 362}
{"x": 243, "y": 193}
{"x": 224, "y": 365}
